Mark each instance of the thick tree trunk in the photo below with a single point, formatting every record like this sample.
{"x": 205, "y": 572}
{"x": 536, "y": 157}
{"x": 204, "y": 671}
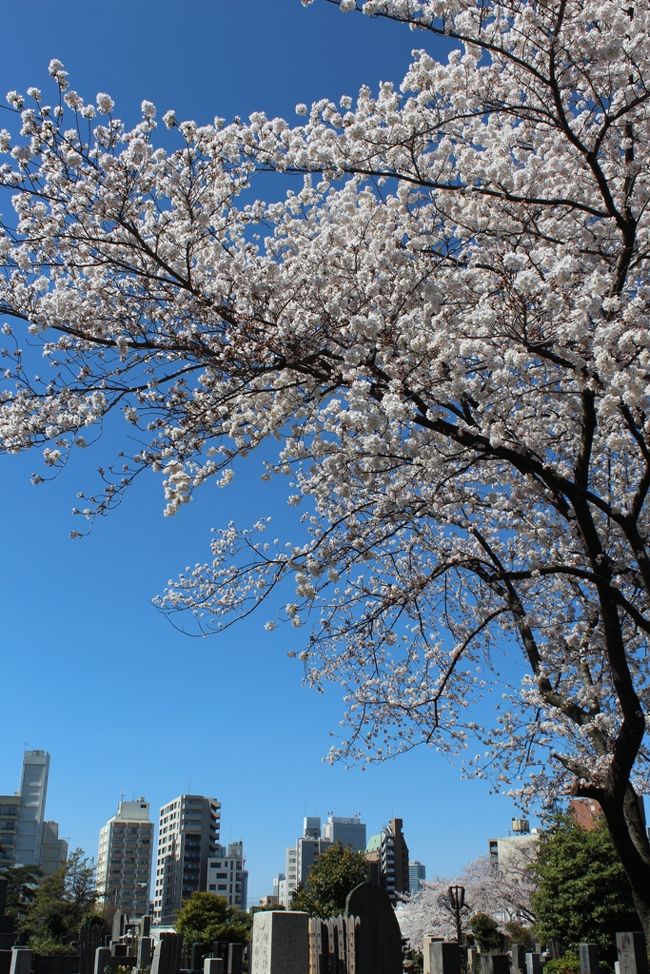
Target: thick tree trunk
{"x": 626, "y": 824}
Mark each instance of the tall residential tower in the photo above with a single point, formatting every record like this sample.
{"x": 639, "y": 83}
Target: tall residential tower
{"x": 124, "y": 858}
{"x": 187, "y": 838}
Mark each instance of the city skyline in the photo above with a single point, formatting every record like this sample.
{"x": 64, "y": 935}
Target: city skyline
{"x": 263, "y": 883}
{"x": 123, "y": 701}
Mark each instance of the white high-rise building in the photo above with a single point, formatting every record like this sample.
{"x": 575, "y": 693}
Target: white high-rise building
{"x": 26, "y": 838}
{"x": 188, "y": 836}
{"x": 227, "y": 876}
{"x": 31, "y": 816}
{"x": 123, "y": 870}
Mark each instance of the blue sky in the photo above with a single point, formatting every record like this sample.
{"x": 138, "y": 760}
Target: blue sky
{"x": 91, "y": 671}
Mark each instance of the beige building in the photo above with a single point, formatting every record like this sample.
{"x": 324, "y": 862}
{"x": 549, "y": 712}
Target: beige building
{"x": 123, "y": 871}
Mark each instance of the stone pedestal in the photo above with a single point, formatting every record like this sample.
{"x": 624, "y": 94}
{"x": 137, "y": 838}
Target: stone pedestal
{"x": 280, "y": 942}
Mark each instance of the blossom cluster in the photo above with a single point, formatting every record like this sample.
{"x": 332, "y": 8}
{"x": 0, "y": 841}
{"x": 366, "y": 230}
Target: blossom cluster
{"x": 445, "y": 322}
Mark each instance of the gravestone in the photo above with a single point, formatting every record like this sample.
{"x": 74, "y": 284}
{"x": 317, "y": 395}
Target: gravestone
{"x": 21, "y": 960}
{"x": 589, "y": 959}
{"x": 119, "y": 924}
{"x": 533, "y": 963}
{"x": 426, "y": 941}
{"x": 213, "y": 965}
{"x": 102, "y": 959}
{"x": 473, "y": 960}
{"x": 494, "y": 963}
{"x": 518, "y": 957}
{"x": 379, "y": 940}
{"x": 196, "y": 958}
{"x": 444, "y": 958}
{"x": 631, "y": 953}
{"x": 235, "y": 959}
{"x": 145, "y": 949}
{"x": 167, "y": 955}
{"x": 145, "y": 930}
{"x": 279, "y": 942}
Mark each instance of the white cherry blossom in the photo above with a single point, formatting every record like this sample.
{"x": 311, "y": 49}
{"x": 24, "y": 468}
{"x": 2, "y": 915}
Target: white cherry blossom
{"x": 445, "y": 322}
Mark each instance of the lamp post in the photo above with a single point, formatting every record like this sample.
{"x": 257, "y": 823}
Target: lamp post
{"x": 457, "y": 900}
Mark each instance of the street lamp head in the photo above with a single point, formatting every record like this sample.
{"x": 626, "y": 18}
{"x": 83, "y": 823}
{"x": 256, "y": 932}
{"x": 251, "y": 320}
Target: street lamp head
{"x": 457, "y": 897}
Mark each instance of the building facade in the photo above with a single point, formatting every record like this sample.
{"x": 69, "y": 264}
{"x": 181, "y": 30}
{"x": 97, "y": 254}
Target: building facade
{"x": 301, "y": 857}
{"x": 26, "y": 837}
{"x": 388, "y": 856}
{"x": 514, "y": 853}
{"x": 187, "y": 838}
{"x": 350, "y": 832}
{"x": 123, "y": 871}
{"x": 417, "y": 872}
{"x": 227, "y": 875}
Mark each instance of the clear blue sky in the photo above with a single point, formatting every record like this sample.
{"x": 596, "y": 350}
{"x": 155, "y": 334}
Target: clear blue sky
{"x": 90, "y": 671}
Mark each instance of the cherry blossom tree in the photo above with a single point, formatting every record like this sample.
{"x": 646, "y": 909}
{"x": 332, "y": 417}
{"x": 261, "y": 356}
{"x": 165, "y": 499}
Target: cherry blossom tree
{"x": 487, "y": 890}
{"x": 445, "y": 324}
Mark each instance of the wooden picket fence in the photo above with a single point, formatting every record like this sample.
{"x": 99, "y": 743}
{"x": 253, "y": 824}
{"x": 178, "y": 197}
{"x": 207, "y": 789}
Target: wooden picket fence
{"x": 333, "y": 945}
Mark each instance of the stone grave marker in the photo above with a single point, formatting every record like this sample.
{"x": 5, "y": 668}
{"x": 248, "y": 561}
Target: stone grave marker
{"x": 102, "y": 959}
{"x": 235, "y": 959}
{"x": 632, "y": 957}
{"x": 533, "y": 963}
{"x": 21, "y": 960}
{"x": 428, "y": 939}
{"x": 444, "y": 958}
{"x": 145, "y": 950}
{"x": 589, "y": 959}
{"x": 379, "y": 940}
{"x": 494, "y": 963}
{"x": 279, "y": 942}
{"x": 167, "y": 956}
{"x": 518, "y": 957}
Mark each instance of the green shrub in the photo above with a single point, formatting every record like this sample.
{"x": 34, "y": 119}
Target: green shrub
{"x": 47, "y": 946}
{"x": 568, "y": 963}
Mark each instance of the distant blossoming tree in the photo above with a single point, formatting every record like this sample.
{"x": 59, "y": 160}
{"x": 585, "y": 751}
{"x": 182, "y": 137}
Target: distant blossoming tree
{"x": 487, "y": 891}
{"x": 447, "y": 326}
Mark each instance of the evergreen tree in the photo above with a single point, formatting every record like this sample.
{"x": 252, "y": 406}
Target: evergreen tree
{"x": 334, "y": 874}
{"x": 206, "y": 917}
{"x": 583, "y": 894}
